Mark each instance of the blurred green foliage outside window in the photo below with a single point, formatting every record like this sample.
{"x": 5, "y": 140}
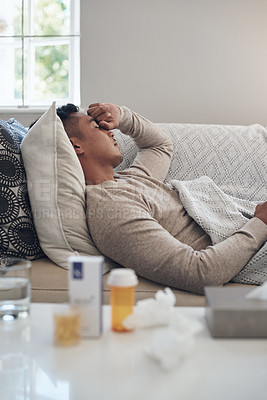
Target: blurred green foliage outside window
{"x": 39, "y": 52}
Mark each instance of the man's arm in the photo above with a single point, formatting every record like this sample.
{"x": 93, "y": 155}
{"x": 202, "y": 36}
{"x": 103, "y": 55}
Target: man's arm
{"x": 155, "y": 147}
{"x": 135, "y": 240}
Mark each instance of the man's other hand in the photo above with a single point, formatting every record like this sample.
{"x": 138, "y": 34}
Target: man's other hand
{"x": 261, "y": 212}
{"x": 107, "y": 115}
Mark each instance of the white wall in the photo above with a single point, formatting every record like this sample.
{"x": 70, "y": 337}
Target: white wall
{"x": 202, "y": 61}
{"x": 198, "y": 61}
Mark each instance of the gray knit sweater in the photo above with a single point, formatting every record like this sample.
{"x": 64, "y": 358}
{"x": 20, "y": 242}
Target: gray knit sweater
{"x": 139, "y": 221}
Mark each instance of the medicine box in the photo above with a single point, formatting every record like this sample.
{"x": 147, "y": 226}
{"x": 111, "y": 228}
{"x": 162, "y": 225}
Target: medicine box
{"x": 85, "y": 291}
{"x": 229, "y": 314}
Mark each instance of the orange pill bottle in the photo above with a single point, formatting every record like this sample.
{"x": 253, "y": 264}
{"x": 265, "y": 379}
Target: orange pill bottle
{"x": 122, "y": 282}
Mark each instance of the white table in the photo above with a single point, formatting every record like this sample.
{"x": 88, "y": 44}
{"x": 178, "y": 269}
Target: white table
{"x": 115, "y": 366}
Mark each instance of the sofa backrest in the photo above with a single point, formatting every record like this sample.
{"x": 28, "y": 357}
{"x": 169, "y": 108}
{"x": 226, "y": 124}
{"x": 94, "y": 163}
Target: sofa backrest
{"x": 235, "y": 157}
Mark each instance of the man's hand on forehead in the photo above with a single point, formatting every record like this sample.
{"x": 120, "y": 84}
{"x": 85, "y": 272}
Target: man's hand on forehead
{"x": 261, "y": 212}
{"x": 99, "y": 111}
{"x": 107, "y": 115}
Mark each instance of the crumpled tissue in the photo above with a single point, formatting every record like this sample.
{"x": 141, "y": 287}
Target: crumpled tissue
{"x": 152, "y": 312}
{"x": 260, "y": 293}
{"x": 174, "y": 340}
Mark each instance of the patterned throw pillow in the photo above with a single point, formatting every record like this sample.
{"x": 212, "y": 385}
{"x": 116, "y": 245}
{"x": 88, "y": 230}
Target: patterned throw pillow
{"x": 17, "y": 233}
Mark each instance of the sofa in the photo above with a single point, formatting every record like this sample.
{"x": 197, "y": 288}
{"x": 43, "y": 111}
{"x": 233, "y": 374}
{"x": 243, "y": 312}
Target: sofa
{"x": 50, "y": 285}
{"x": 233, "y": 156}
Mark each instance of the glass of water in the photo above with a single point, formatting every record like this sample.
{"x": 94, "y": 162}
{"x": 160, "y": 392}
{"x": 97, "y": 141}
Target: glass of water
{"x": 15, "y": 288}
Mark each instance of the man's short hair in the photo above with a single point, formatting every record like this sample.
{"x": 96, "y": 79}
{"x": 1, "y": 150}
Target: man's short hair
{"x": 65, "y": 113}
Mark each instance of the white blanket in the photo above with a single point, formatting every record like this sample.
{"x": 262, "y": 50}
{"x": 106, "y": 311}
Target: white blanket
{"x": 220, "y": 215}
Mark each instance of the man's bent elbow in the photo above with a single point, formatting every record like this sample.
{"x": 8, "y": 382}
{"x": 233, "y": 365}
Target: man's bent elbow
{"x": 208, "y": 275}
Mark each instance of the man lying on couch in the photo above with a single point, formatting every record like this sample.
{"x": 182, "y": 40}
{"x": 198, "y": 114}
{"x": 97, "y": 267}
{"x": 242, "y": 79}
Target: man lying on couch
{"x": 139, "y": 221}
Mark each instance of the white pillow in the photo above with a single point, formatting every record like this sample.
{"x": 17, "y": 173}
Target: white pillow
{"x": 56, "y": 188}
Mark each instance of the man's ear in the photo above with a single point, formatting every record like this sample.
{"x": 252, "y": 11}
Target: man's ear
{"x": 77, "y": 146}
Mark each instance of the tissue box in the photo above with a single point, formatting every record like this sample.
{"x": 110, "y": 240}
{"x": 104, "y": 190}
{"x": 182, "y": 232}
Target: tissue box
{"x": 230, "y": 315}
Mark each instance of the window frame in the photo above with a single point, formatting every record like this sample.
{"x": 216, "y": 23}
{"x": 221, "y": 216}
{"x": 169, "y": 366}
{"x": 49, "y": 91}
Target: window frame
{"x": 31, "y": 42}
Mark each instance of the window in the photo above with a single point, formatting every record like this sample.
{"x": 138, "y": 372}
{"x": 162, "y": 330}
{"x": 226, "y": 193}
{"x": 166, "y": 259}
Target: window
{"x": 39, "y": 52}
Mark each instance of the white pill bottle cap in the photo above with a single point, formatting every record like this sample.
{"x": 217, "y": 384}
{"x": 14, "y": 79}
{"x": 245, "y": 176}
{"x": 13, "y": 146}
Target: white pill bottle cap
{"x": 122, "y": 277}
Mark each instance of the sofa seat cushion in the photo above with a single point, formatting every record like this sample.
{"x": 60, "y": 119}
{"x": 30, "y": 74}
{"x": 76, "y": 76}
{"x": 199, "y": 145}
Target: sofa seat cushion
{"x": 49, "y": 282}
{"x": 50, "y": 285}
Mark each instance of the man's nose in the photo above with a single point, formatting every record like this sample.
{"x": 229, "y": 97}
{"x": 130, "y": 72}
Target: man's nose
{"x": 110, "y": 134}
